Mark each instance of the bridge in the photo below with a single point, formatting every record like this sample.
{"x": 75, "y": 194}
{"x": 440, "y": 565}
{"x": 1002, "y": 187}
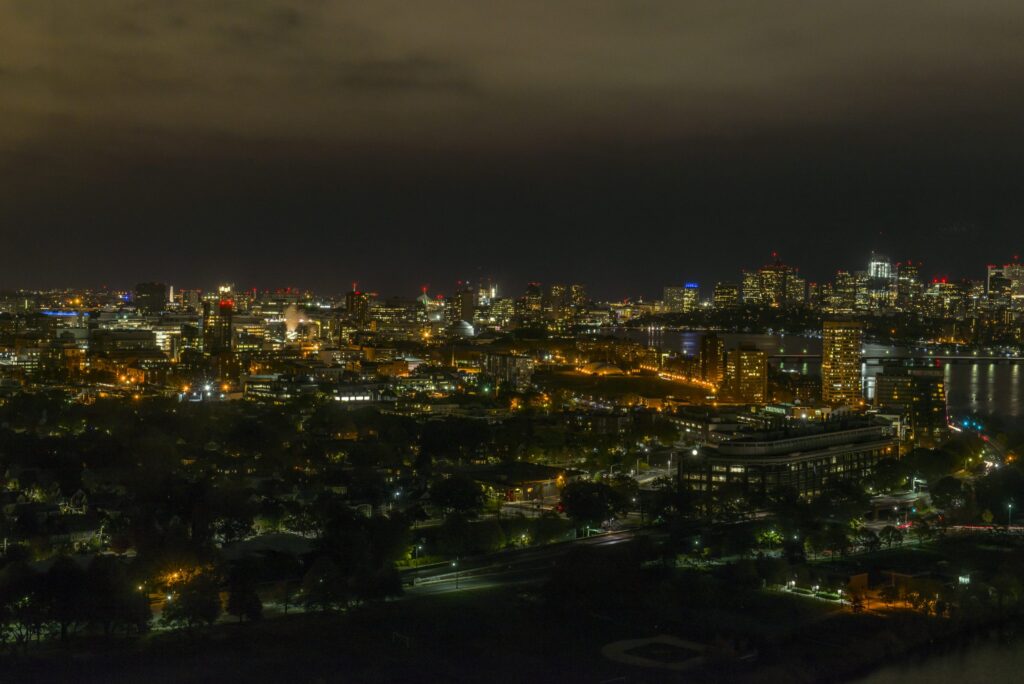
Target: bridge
{"x": 877, "y": 358}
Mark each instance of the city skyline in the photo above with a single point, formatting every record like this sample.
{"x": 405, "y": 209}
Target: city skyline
{"x": 705, "y": 288}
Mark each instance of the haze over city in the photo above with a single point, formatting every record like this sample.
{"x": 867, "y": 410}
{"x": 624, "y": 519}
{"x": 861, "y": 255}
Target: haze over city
{"x": 311, "y": 144}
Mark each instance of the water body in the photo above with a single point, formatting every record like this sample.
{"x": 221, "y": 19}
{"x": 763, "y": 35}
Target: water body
{"x": 971, "y": 387}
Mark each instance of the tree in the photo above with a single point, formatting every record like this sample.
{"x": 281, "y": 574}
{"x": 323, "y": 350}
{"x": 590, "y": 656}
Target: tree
{"x": 324, "y": 586}
{"x": 625, "y": 487}
{"x": 589, "y": 503}
{"x": 64, "y": 592}
{"x": 838, "y": 538}
{"x": 890, "y": 535}
{"x": 454, "y": 536}
{"x": 889, "y": 593}
{"x": 194, "y": 602}
{"x": 284, "y": 592}
{"x": 888, "y": 476}
{"x": 111, "y": 600}
{"x": 670, "y": 501}
{"x": 234, "y": 526}
{"x": 769, "y": 539}
{"x": 487, "y": 536}
{"x": 243, "y": 601}
{"x": 921, "y": 530}
{"x": 730, "y": 501}
{"x": 948, "y": 493}
{"x": 457, "y": 494}
{"x": 548, "y": 527}
{"x": 22, "y": 608}
{"x": 868, "y": 539}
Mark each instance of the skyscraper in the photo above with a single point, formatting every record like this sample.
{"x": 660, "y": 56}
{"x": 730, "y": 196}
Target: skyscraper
{"x": 840, "y": 362}
{"x": 217, "y": 321}
{"x": 775, "y": 285}
{"x": 712, "y": 358}
{"x": 748, "y": 374}
{"x": 681, "y": 299}
{"x": 727, "y": 295}
{"x": 908, "y": 286}
{"x": 357, "y": 306}
{"x": 879, "y": 266}
{"x": 919, "y": 393}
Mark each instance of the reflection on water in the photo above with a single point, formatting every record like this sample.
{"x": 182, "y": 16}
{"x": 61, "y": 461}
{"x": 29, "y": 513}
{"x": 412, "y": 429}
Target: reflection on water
{"x": 986, "y": 388}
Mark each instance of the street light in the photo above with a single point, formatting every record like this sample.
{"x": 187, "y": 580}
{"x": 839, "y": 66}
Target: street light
{"x": 455, "y": 564}
{"x": 1009, "y": 515}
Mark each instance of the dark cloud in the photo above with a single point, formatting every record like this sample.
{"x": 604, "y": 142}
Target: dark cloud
{"x": 627, "y": 144}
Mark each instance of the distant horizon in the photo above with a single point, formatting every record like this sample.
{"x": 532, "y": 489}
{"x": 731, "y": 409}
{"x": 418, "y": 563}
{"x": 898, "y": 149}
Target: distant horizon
{"x": 706, "y": 286}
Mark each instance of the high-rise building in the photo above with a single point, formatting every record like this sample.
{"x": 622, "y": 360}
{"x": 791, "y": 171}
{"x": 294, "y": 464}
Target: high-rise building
{"x": 190, "y": 300}
{"x": 151, "y": 298}
{"x": 752, "y": 292}
{"x": 691, "y": 297}
{"x": 578, "y": 295}
{"x": 556, "y": 304}
{"x": 672, "y": 299}
{"x": 879, "y": 266}
{"x": 840, "y": 362}
{"x": 681, "y": 299}
{"x": 462, "y": 304}
{"x": 919, "y": 393}
{"x": 357, "y": 306}
{"x": 217, "y": 321}
{"x": 712, "y": 358}
{"x": 487, "y": 292}
{"x": 748, "y": 374}
{"x": 1007, "y": 282}
{"x": 727, "y": 295}
{"x": 908, "y": 286}
{"x": 880, "y": 283}
{"x": 844, "y": 293}
{"x": 777, "y": 285}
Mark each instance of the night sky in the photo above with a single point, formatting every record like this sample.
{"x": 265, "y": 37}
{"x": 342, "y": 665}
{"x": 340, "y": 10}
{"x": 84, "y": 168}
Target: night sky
{"x": 626, "y": 145}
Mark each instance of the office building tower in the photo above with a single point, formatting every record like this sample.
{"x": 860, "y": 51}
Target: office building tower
{"x": 712, "y": 359}
{"x": 840, "y": 362}
{"x": 726, "y": 296}
{"x": 918, "y": 392}
{"x": 879, "y": 266}
{"x": 908, "y": 286}
{"x": 357, "y": 306}
{"x": 217, "y": 321}
{"x": 681, "y": 299}
{"x": 776, "y": 285}
{"x": 462, "y": 304}
{"x": 748, "y": 374}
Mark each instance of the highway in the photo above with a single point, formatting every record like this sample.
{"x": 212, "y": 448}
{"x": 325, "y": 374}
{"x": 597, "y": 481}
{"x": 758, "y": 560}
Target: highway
{"x": 504, "y": 567}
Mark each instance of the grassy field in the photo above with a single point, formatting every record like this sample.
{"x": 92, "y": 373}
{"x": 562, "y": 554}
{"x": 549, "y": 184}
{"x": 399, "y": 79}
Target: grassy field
{"x": 494, "y": 635}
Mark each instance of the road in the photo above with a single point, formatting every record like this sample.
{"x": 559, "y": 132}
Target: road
{"x": 504, "y": 567}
